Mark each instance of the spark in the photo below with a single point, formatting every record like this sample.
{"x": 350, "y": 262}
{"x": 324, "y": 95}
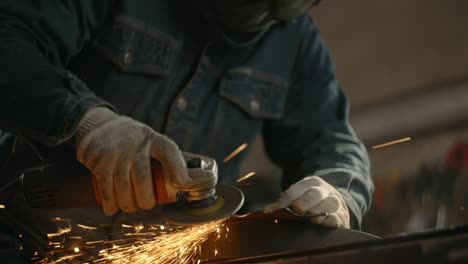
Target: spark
{"x": 163, "y": 244}
{"x": 157, "y": 227}
{"x": 94, "y": 242}
{"x": 59, "y": 219}
{"x": 392, "y": 143}
{"x": 276, "y": 221}
{"x": 65, "y": 258}
{"x": 218, "y": 232}
{"x": 243, "y": 178}
{"x": 235, "y": 152}
{"x": 20, "y": 235}
{"x": 89, "y": 228}
{"x": 183, "y": 245}
{"x": 2, "y": 206}
{"x": 140, "y": 234}
{"x": 138, "y": 228}
{"x": 60, "y": 232}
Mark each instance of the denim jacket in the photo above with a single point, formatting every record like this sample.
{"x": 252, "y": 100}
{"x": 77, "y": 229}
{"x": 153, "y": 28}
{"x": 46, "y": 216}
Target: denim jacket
{"x": 157, "y": 62}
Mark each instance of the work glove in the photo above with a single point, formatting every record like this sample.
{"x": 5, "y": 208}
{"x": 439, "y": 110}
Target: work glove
{"x": 118, "y": 151}
{"x": 313, "y": 197}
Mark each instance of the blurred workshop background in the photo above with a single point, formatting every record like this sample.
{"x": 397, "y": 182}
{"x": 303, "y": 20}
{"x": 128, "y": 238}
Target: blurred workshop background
{"x": 404, "y": 66}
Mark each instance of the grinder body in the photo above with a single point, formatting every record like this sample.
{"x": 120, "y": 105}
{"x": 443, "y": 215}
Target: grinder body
{"x": 68, "y": 184}
{"x": 57, "y": 181}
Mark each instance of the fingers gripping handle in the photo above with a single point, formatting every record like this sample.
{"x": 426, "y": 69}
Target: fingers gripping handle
{"x": 203, "y": 172}
{"x": 68, "y": 184}
{"x": 161, "y": 194}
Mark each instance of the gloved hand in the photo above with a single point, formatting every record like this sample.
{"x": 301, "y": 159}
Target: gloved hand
{"x": 118, "y": 151}
{"x": 313, "y": 196}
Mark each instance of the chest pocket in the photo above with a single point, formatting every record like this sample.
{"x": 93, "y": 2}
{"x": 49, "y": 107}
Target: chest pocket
{"x": 260, "y": 95}
{"x": 135, "y": 47}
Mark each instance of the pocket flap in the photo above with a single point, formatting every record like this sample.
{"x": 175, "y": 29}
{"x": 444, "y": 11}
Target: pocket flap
{"x": 260, "y": 94}
{"x": 137, "y": 48}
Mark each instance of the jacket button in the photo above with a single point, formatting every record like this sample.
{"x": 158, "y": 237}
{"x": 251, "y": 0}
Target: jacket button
{"x": 254, "y": 105}
{"x": 127, "y": 59}
{"x": 182, "y": 104}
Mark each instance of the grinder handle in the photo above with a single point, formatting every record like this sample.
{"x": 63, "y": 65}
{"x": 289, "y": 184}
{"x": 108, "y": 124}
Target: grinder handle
{"x": 159, "y": 182}
{"x": 69, "y": 184}
{"x": 66, "y": 183}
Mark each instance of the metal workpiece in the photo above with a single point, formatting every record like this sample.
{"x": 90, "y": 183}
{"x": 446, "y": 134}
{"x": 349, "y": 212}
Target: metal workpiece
{"x": 283, "y": 238}
{"x": 246, "y": 237}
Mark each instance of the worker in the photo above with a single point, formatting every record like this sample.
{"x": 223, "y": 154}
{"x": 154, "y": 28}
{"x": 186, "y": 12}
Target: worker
{"x": 121, "y": 82}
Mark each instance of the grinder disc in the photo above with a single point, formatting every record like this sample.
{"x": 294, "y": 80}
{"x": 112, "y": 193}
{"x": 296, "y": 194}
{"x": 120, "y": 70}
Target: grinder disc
{"x": 229, "y": 200}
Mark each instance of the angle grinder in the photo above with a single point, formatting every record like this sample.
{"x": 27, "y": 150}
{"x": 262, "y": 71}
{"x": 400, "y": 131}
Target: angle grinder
{"x": 66, "y": 183}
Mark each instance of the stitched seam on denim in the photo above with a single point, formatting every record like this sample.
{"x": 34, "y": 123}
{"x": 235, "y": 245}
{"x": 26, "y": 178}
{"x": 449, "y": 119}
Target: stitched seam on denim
{"x": 259, "y": 75}
{"x": 135, "y": 68}
{"x": 239, "y": 103}
{"x": 140, "y": 26}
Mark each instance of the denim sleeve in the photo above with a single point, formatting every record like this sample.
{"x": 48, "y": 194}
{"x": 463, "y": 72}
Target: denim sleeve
{"x": 39, "y": 98}
{"x": 315, "y": 137}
